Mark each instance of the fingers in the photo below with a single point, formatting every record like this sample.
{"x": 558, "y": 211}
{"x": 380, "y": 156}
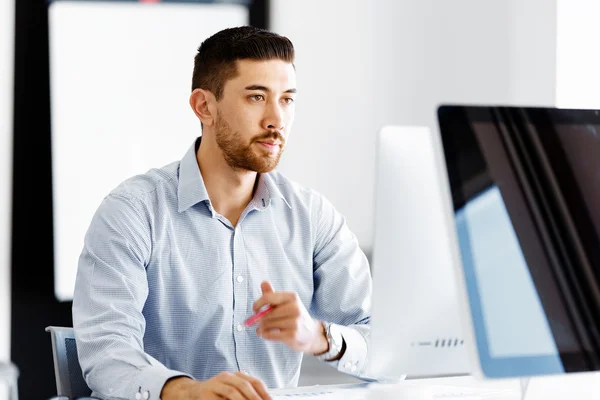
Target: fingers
{"x": 266, "y": 287}
{"x": 283, "y": 311}
{"x": 258, "y": 385}
{"x": 281, "y": 324}
{"x": 228, "y": 392}
{"x": 282, "y": 317}
{"x": 285, "y": 316}
{"x": 240, "y": 387}
{"x": 277, "y": 335}
{"x": 274, "y": 299}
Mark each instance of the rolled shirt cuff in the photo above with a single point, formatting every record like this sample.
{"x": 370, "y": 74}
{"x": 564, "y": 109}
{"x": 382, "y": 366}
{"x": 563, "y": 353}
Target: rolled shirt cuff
{"x": 354, "y": 360}
{"x": 150, "y": 381}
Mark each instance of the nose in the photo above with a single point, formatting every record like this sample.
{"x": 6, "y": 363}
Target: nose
{"x": 274, "y": 117}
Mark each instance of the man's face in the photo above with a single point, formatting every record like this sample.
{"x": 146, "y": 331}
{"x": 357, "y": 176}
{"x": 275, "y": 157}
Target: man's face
{"x": 255, "y": 114}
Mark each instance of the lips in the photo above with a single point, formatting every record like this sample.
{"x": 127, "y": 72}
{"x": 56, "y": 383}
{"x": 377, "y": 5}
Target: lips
{"x": 272, "y": 146}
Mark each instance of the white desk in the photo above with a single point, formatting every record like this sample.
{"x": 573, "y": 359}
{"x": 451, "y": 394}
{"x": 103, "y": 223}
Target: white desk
{"x": 571, "y": 386}
{"x": 440, "y": 388}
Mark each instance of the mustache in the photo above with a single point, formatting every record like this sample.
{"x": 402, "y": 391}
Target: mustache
{"x": 270, "y": 135}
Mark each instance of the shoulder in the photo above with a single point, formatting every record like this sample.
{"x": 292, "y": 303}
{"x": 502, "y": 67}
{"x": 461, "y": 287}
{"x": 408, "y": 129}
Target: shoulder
{"x": 296, "y": 194}
{"x": 143, "y": 186}
{"x": 307, "y": 202}
{"x": 141, "y": 196}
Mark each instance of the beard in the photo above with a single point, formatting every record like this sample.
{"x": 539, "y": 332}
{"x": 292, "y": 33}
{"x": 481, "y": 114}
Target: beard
{"x": 243, "y": 155}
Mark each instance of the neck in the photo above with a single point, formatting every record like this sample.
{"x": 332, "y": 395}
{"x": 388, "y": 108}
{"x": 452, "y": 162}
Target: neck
{"x": 230, "y": 190}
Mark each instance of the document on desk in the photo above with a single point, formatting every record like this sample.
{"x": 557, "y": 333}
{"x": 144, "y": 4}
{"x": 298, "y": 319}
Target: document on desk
{"x": 359, "y": 394}
{"x": 422, "y": 390}
{"x": 355, "y": 391}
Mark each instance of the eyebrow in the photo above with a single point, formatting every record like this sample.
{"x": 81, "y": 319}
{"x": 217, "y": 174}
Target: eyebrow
{"x": 266, "y": 89}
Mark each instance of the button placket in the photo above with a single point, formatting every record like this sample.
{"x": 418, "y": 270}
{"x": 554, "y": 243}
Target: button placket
{"x": 240, "y": 293}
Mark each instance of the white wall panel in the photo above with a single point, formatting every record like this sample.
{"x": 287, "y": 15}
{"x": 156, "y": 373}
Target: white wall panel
{"x": 578, "y": 60}
{"x": 6, "y": 136}
{"x": 365, "y": 64}
{"x": 120, "y": 82}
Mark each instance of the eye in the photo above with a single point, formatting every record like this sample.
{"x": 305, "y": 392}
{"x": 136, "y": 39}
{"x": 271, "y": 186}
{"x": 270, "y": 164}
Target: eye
{"x": 256, "y": 97}
{"x": 288, "y": 100}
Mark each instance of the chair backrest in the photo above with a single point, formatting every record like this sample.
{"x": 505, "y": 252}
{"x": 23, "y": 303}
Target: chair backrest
{"x": 9, "y": 374}
{"x": 69, "y": 378}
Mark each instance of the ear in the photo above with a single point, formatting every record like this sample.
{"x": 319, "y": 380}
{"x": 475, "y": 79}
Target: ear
{"x": 202, "y": 102}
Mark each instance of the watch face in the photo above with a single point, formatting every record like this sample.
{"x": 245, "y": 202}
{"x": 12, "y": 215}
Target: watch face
{"x": 335, "y": 333}
{"x": 335, "y": 338}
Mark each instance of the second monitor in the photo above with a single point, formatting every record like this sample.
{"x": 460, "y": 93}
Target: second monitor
{"x": 417, "y": 328}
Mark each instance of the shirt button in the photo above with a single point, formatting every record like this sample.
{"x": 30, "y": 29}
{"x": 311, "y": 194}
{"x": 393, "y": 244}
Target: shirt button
{"x": 245, "y": 372}
{"x": 138, "y": 396}
{"x": 239, "y": 328}
{"x": 240, "y": 279}
{"x": 353, "y": 369}
{"x": 347, "y": 365}
{"x": 146, "y": 395}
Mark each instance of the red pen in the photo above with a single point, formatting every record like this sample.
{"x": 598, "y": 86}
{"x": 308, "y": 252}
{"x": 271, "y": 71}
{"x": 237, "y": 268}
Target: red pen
{"x": 253, "y": 319}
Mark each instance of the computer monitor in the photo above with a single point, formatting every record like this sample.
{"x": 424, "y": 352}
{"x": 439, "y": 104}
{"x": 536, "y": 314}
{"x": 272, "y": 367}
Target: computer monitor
{"x": 416, "y": 327}
{"x": 525, "y": 186}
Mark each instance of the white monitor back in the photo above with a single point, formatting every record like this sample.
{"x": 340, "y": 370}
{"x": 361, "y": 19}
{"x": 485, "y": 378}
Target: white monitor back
{"x": 416, "y": 328}
{"x": 121, "y": 76}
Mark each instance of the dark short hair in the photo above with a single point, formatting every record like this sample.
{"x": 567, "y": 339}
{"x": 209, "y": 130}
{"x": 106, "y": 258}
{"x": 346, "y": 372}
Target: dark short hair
{"x": 216, "y": 60}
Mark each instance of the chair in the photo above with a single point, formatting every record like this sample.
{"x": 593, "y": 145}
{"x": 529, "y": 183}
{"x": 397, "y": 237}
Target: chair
{"x": 9, "y": 374}
{"x": 69, "y": 377}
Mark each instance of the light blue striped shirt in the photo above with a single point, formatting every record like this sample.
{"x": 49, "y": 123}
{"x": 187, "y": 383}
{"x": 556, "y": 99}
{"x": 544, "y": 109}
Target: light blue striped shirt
{"x": 164, "y": 282}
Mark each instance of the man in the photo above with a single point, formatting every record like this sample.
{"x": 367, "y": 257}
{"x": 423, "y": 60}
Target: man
{"x": 177, "y": 259}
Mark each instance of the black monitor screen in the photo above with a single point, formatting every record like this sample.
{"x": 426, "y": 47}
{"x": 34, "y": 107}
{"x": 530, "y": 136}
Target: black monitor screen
{"x": 525, "y": 186}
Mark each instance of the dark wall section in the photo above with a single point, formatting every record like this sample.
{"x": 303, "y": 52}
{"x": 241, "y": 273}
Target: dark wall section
{"x": 33, "y": 303}
{"x": 259, "y": 14}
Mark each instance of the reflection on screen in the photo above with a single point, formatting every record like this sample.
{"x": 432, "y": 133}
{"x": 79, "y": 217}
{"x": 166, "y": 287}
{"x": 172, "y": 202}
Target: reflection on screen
{"x": 513, "y": 316}
{"x": 524, "y": 184}
{"x": 581, "y": 144}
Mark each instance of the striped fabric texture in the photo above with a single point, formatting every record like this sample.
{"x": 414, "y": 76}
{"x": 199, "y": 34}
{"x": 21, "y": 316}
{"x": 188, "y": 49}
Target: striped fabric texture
{"x": 165, "y": 282}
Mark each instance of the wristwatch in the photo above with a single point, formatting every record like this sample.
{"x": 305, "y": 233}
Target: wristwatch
{"x": 335, "y": 340}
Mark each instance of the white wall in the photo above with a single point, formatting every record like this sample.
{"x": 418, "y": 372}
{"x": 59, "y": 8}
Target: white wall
{"x": 6, "y": 131}
{"x": 578, "y": 61}
{"x": 121, "y": 77}
{"x": 331, "y": 143}
{"x": 363, "y": 64}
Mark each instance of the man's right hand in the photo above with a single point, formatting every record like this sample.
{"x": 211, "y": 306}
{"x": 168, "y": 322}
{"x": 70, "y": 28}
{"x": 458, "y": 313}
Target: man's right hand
{"x": 238, "y": 386}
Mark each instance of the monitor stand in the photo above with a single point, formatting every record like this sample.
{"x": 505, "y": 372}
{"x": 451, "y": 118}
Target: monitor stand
{"x": 524, "y": 384}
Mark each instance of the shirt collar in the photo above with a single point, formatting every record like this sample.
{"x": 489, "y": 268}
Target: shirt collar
{"x": 191, "y": 189}
{"x": 267, "y": 190}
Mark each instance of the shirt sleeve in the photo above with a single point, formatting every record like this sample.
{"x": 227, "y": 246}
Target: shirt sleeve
{"x": 342, "y": 291}
{"x": 110, "y": 292}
